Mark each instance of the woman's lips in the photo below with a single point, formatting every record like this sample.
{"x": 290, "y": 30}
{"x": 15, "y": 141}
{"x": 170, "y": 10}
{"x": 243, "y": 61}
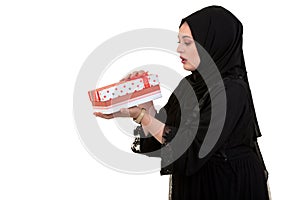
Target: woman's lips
{"x": 183, "y": 60}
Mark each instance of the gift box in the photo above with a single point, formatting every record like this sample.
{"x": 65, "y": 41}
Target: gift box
{"x": 125, "y": 94}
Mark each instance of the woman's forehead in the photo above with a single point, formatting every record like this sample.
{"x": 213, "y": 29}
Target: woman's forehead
{"x": 185, "y": 31}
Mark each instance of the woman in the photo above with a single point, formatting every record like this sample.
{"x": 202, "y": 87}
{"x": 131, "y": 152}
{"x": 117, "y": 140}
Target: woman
{"x": 231, "y": 169}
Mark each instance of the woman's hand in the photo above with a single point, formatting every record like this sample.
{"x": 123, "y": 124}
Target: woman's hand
{"x": 150, "y": 109}
{"x": 133, "y": 74}
{"x": 148, "y": 105}
{"x": 132, "y": 112}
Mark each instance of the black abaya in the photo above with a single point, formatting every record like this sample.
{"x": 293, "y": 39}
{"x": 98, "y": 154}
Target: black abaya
{"x": 231, "y": 169}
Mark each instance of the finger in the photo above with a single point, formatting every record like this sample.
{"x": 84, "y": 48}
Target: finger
{"x": 128, "y": 76}
{"x": 141, "y": 72}
{"x": 105, "y": 116}
{"x": 117, "y": 114}
{"x": 97, "y": 114}
{"x": 133, "y": 74}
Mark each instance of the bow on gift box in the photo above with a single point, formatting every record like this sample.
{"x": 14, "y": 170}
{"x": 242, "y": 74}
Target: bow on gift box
{"x": 143, "y": 76}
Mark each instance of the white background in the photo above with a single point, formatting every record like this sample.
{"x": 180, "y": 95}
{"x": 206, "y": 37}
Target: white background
{"x": 42, "y": 47}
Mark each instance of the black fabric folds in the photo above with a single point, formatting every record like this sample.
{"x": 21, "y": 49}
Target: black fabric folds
{"x": 220, "y": 33}
{"x": 231, "y": 169}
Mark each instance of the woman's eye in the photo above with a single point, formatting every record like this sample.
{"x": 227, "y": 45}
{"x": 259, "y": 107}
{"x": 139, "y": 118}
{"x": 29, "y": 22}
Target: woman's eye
{"x": 186, "y": 43}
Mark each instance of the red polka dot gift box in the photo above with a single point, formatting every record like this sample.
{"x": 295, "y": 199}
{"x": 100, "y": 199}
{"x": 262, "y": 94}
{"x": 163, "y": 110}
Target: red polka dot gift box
{"x": 125, "y": 94}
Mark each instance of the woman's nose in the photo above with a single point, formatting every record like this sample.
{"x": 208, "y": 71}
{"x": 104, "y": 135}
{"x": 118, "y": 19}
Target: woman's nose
{"x": 180, "y": 48}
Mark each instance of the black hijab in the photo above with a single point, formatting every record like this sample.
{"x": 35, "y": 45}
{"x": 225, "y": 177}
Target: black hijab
{"x": 220, "y": 33}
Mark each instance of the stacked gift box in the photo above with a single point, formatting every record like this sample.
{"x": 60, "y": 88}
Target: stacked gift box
{"x": 125, "y": 94}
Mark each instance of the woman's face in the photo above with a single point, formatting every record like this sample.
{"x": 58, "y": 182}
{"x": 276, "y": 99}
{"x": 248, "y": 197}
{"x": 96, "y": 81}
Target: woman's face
{"x": 187, "y": 48}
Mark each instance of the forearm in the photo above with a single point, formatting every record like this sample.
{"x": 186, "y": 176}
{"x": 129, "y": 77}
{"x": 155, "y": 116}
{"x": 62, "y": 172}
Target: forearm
{"x": 150, "y": 110}
{"x": 153, "y": 126}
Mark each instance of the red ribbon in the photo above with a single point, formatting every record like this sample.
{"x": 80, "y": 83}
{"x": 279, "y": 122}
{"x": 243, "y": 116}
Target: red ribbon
{"x": 144, "y": 77}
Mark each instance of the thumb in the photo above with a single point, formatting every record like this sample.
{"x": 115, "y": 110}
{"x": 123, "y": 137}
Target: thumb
{"x": 125, "y": 112}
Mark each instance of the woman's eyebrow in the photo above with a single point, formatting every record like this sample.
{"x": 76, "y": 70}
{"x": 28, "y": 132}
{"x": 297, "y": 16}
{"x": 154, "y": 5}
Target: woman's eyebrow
{"x": 185, "y": 36}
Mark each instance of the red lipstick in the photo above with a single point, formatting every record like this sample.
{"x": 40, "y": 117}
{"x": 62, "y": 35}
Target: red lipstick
{"x": 183, "y": 60}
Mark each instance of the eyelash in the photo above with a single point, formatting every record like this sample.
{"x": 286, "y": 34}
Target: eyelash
{"x": 187, "y": 44}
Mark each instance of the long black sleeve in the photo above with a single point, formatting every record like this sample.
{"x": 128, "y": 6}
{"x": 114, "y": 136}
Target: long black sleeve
{"x": 148, "y": 145}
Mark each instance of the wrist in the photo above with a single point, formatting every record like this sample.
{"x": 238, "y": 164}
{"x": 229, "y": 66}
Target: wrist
{"x": 137, "y": 113}
{"x": 140, "y": 116}
{"x": 146, "y": 119}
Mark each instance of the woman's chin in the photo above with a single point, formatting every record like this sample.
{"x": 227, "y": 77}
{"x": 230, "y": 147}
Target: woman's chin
{"x": 188, "y": 67}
